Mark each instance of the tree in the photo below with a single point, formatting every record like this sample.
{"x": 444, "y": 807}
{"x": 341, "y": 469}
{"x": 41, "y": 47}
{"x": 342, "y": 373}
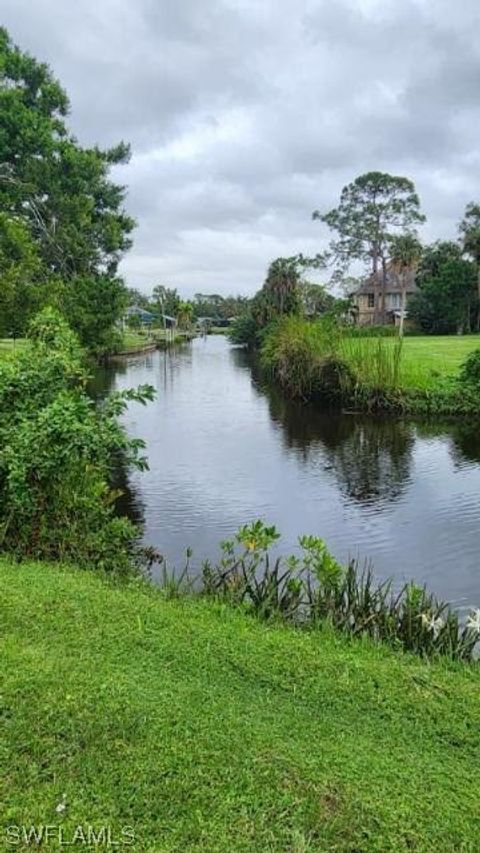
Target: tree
{"x": 137, "y": 298}
{"x": 315, "y": 298}
{"x": 166, "y": 299}
{"x": 446, "y": 301}
{"x": 185, "y": 315}
{"x": 470, "y": 234}
{"x": 19, "y": 264}
{"x": 94, "y": 304}
{"x": 282, "y": 285}
{"x": 372, "y": 209}
{"x": 405, "y": 254}
{"x": 434, "y": 257}
{"x": 60, "y": 191}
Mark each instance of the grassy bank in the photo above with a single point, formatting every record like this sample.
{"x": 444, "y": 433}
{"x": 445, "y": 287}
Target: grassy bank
{"x": 203, "y": 729}
{"x": 8, "y": 346}
{"x": 413, "y": 375}
{"x": 133, "y": 341}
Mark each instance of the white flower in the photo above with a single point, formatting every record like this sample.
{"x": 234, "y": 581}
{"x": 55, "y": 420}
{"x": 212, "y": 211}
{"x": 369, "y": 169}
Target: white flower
{"x": 473, "y": 621}
{"x": 431, "y": 624}
{"x": 62, "y": 805}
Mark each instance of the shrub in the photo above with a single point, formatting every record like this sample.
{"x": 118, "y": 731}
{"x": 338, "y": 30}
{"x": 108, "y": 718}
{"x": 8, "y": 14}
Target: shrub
{"x": 57, "y": 452}
{"x": 470, "y": 369}
{"x": 244, "y": 331}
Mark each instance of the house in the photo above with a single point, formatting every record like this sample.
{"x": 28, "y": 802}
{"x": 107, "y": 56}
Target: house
{"x": 367, "y": 300}
{"x": 145, "y": 318}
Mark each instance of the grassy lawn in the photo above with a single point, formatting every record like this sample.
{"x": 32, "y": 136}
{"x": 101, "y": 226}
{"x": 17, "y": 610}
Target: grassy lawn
{"x": 203, "y": 729}
{"x": 425, "y": 360}
{"x": 427, "y": 357}
{"x": 136, "y": 340}
{"x": 133, "y": 339}
{"x": 8, "y": 346}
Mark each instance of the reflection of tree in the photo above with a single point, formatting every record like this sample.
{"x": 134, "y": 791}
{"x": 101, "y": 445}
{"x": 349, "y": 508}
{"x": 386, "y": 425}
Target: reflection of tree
{"x": 129, "y": 503}
{"x": 103, "y": 379}
{"x": 241, "y": 358}
{"x": 372, "y": 463}
{"x": 464, "y": 437}
{"x": 101, "y": 384}
{"x": 466, "y": 442}
{"x": 369, "y": 457}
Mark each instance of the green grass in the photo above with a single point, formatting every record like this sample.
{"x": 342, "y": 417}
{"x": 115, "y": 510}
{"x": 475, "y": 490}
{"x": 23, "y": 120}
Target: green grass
{"x": 204, "y": 729}
{"x": 425, "y": 359}
{"x": 134, "y": 340}
{"x": 8, "y": 346}
{"x": 380, "y": 372}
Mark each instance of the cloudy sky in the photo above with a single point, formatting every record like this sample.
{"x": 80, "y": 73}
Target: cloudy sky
{"x": 245, "y": 115}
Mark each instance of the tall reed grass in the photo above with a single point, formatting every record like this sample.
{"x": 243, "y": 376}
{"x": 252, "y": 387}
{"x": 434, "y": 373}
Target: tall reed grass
{"x": 324, "y": 360}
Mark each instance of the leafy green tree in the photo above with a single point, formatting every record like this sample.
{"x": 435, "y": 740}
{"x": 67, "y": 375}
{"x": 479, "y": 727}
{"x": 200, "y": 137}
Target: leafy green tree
{"x": 218, "y": 307}
{"x": 315, "y": 298}
{"x": 470, "y": 234}
{"x": 372, "y": 208}
{"x": 137, "y": 298}
{"x": 166, "y": 300}
{"x": 434, "y": 257}
{"x": 280, "y": 293}
{"x": 447, "y": 299}
{"x": 405, "y": 255}
{"x": 19, "y": 264}
{"x": 60, "y": 191}
{"x": 94, "y": 303}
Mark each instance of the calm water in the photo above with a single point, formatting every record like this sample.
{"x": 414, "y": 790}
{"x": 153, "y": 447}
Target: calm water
{"x": 224, "y": 450}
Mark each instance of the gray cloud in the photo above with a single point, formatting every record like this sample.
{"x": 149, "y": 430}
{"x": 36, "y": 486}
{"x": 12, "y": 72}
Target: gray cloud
{"x": 244, "y": 116}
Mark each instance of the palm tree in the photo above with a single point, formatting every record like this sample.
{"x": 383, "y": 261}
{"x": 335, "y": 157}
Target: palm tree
{"x": 282, "y": 284}
{"x": 185, "y": 315}
{"x": 405, "y": 254}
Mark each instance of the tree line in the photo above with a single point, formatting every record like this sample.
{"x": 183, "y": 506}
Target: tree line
{"x": 63, "y": 225}
{"x": 64, "y": 230}
{"x": 165, "y": 300}
{"x": 375, "y": 225}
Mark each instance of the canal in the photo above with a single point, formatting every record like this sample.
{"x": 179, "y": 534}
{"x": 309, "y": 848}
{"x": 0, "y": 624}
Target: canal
{"x": 225, "y": 449}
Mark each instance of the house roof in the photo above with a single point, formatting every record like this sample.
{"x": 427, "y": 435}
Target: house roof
{"x": 394, "y": 283}
{"x": 136, "y": 311}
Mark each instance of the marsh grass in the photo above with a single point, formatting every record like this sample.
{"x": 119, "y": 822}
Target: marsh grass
{"x": 325, "y": 360}
{"x": 375, "y": 362}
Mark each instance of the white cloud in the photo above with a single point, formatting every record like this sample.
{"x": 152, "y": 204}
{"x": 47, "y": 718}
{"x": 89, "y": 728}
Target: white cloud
{"x": 245, "y": 116}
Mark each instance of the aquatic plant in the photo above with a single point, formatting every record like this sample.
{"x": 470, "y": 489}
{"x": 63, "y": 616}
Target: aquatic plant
{"x": 312, "y": 587}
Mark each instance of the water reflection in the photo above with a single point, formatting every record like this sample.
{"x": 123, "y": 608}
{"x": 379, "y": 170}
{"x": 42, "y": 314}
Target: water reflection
{"x": 371, "y": 458}
{"x": 225, "y": 449}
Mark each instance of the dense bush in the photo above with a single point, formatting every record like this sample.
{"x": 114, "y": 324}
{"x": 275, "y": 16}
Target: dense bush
{"x": 470, "y": 370}
{"x": 57, "y": 452}
{"x": 244, "y": 331}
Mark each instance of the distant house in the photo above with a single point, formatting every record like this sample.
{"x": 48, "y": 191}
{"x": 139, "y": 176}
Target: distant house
{"x": 145, "y": 318}
{"x": 367, "y": 299}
